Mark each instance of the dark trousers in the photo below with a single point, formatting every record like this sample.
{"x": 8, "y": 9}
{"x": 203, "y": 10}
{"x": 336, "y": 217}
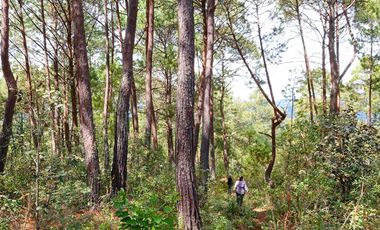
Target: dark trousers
{"x": 239, "y": 198}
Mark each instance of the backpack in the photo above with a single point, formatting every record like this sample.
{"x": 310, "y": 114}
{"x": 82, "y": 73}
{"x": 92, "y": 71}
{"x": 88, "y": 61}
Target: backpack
{"x": 240, "y": 188}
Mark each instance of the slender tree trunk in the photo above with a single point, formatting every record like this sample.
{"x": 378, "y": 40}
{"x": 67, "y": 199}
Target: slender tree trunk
{"x": 74, "y": 105}
{"x": 119, "y": 25}
{"x": 57, "y": 109}
{"x": 66, "y": 126}
{"x": 169, "y": 126}
{"x": 188, "y": 209}
{"x": 269, "y": 169}
{"x": 212, "y": 140}
{"x": 10, "y": 103}
{"x": 72, "y": 78}
{"x": 224, "y": 126}
{"x": 371, "y": 67}
{"x": 151, "y": 124}
{"x": 133, "y": 95}
{"x": 31, "y": 105}
{"x": 206, "y": 128}
{"x": 119, "y": 165}
{"x": 278, "y": 116}
{"x": 112, "y": 34}
{"x": 66, "y": 134}
{"x": 32, "y": 113}
{"x": 334, "y": 93}
{"x": 48, "y": 81}
{"x": 324, "y": 75}
{"x": 201, "y": 84}
{"x": 262, "y": 50}
{"x": 307, "y": 64}
{"x": 107, "y": 93}
{"x": 86, "y": 116}
{"x": 324, "y": 72}
{"x": 135, "y": 116}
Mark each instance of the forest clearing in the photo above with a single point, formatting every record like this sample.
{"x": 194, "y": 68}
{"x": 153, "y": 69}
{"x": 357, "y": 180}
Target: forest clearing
{"x": 124, "y": 115}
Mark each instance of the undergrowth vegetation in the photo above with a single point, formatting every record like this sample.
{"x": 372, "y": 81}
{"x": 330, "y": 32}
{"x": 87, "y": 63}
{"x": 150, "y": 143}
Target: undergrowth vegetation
{"x": 326, "y": 177}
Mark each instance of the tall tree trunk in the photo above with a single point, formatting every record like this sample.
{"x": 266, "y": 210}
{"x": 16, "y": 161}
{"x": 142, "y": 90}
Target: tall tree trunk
{"x": 201, "y": 83}
{"x": 324, "y": 74}
{"x": 85, "y": 110}
{"x": 135, "y": 115}
{"x": 119, "y": 165}
{"x": 206, "y": 128}
{"x": 10, "y": 103}
{"x": 371, "y": 68}
{"x": 169, "y": 126}
{"x": 334, "y": 93}
{"x": 48, "y": 81}
{"x": 107, "y": 93}
{"x": 32, "y": 113}
{"x": 133, "y": 95}
{"x": 31, "y": 105}
{"x": 112, "y": 34}
{"x": 278, "y": 115}
{"x": 66, "y": 126}
{"x": 224, "y": 126}
{"x": 212, "y": 140}
{"x": 188, "y": 209}
{"x": 68, "y": 73}
{"x": 57, "y": 109}
{"x": 151, "y": 124}
{"x": 72, "y": 78}
{"x": 275, "y": 122}
{"x": 307, "y": 63}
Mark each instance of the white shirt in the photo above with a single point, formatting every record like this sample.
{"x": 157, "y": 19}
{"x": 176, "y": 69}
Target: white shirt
{"x": 241, "y": 187}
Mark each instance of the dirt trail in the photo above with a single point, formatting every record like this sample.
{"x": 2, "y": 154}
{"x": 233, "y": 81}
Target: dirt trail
{"x": 261, "y": 217}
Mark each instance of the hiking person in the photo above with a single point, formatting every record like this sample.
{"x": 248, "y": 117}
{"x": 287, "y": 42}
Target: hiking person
{"x": 240, "y": 189}
{"x": 229, "y": 183}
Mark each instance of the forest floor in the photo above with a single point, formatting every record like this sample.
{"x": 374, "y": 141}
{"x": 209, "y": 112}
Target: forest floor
{"x": 97, "y": 218}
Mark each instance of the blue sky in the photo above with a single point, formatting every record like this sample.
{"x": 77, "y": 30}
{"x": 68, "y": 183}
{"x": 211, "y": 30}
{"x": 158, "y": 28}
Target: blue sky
{"x": 292, "y": 60}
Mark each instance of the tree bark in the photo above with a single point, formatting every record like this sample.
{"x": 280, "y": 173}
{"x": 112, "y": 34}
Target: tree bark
{"x": 48, "y": 81}
{"x": 72, "y": 81}
{"x": 169, "y": 126}
{"x": 212, "y": 140}
{"x": 224, "y": 126}
{"x": 201, "y": 83}
{"x": 119, "y": 165}
{"x": 85, "y": 110}
{"x": 10, "y": 103}
{"x": 135, "y": 115}
{"x": 31, "y": 105}
{"x": 206, "y": 128}
{"x": 107, "y": 92}
{"x": 188, "y": 209}
{"x": 151, "y": 124}
{"x": 66, "y": 83}
{"x": 370, "y": 83}
{"x": 133, "y": 96}
{"x": 307, "y": 63}
{"x": 66, "y": 125}
{"x": 57, "y": 109}
{"x": 324, "y": 74}
{"x": 334, "y": 93}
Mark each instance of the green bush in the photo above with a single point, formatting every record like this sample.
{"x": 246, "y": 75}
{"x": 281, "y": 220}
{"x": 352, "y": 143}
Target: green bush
{"x": 145, "y": 214}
